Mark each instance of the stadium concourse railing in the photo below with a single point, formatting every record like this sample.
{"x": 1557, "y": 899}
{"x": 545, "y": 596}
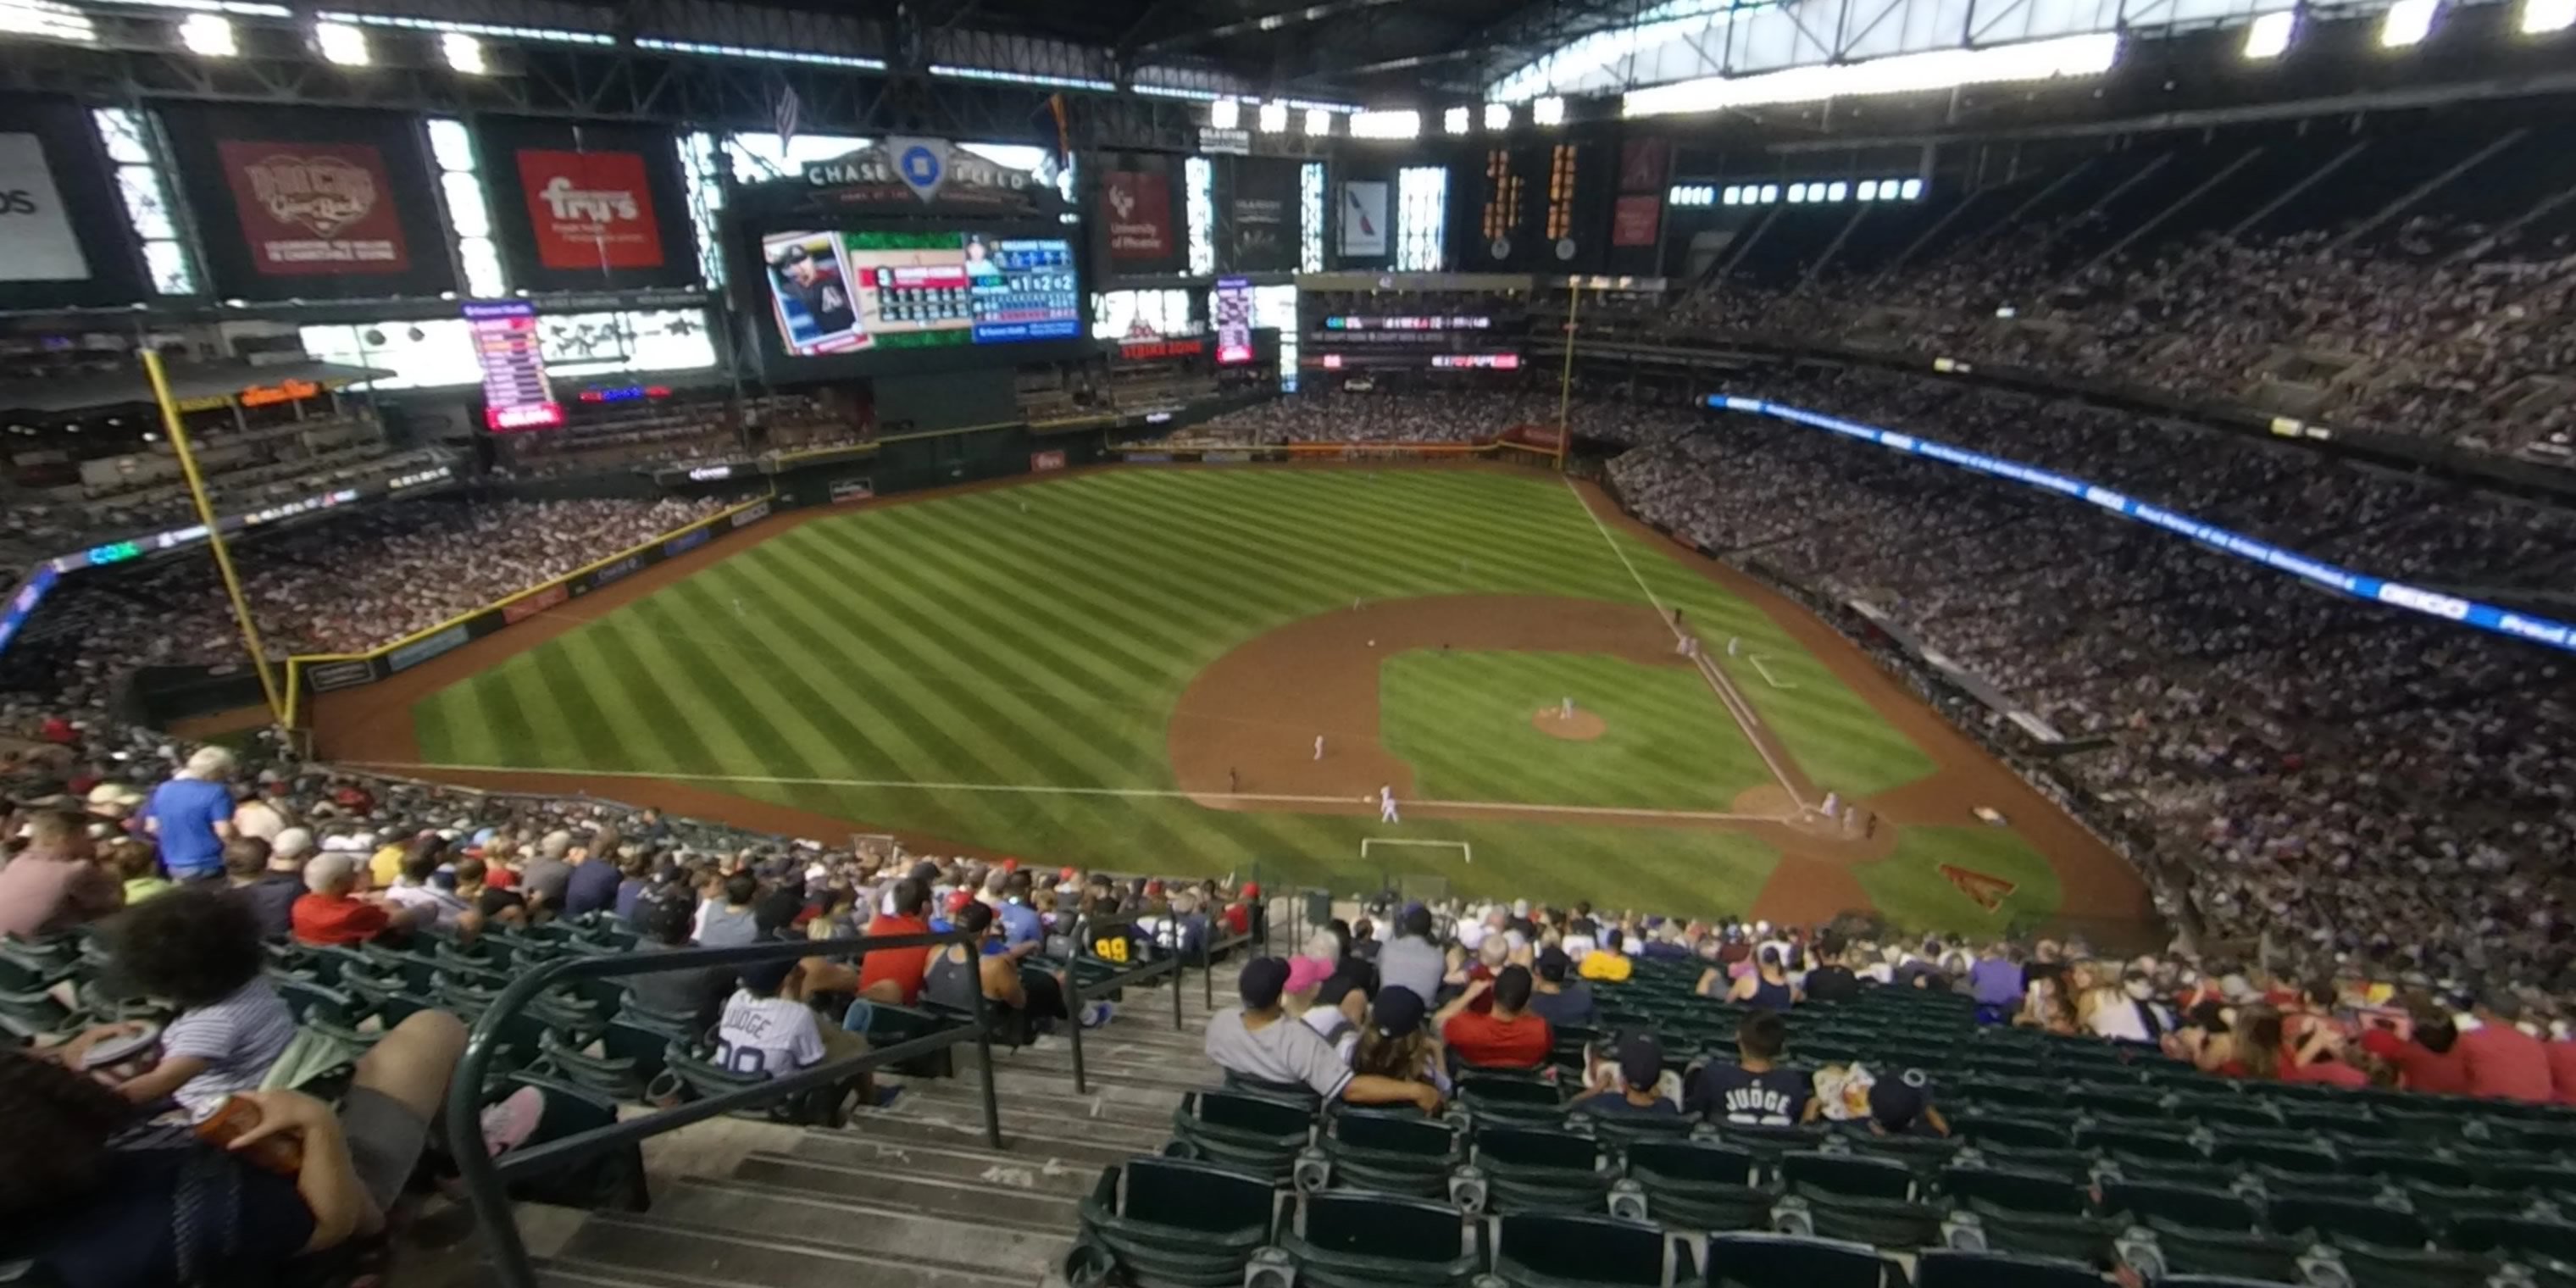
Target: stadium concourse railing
{"x": 486, "y": 1179}
{"x": 329, "y": 672}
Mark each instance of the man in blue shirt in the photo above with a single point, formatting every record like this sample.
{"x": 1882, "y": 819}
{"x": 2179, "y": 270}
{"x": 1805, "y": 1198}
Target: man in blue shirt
{"x": 1021, "y": 923}
{"x": 192, "y": 816}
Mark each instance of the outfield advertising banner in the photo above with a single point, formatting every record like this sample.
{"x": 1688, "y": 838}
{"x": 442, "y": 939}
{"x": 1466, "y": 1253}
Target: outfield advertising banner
{"x": 527, "y": 606}
{"x": 590, "y": 209}
{"x": 1364, "y": 220}
{"x": 1136, "y": 208}
{"x": 587, "y": 205}
{"x": 1261, "y": 216}
{"x": 1045, "y": 462}
{"x": 37, "y": 243}
{"x": 405, "y": 657}
{"x": 314, "y": 208}
{"x": 64, "y": 239}
{"x": 311, "y": 205}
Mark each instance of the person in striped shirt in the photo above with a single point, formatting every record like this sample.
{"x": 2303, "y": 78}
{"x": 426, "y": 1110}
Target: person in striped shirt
{"x": 198, "y": 947}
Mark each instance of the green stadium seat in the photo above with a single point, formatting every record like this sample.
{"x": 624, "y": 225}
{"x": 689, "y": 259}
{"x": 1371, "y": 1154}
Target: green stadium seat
{"x": 1925, "y": 1155}
{"x": 1785, "y": 1261}
{"x": 1394, "y": 1152}
{"x": 1769, "y": 1144}
{"x": 2126, "y": 1144}
{"x": 2496, "y": 1231}
{"x": 1692, "y": 1185}
{"x": 2218, "y": 1111}
{"x": 1166, "y": 1221}
{"x": 1847, "y": 1175}
{"x": 1946, "y": 1269}
{"x": 1517, "y": 1102}
{"x": 1252, "y": 1134}
{"x": 1348, "y": 1240}
{"x": 1554, "y": 1251}
{"x": 2212, "y": 1209}
{"x": 2003, "y": 1127}
{"x": 2239, "y": 1150}
{"x": 2348, "y": 1224}
{"x": 311, "y": 1002}
{"x": 1527, "y": 1170}
{"x": 1292, "y": 1092}
{"x": 2033, "y": 1192}
{"x": 2129, "y": 1102}
{"x": 2193, "y": 1249}
{"x": 2390, "y": 1267}
{"x": 2407, "y": 1164}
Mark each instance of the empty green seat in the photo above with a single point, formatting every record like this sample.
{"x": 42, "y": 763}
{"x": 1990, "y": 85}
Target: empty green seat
{"x": 1787, "y": 1261}
{"x": 2212, "y": 1209}
{"x": 1946, "y": 1269}
{"x": 1390, "y": 1151}
{"x": 1554, "y": 1251}
{"x": 1516, "y": 1101}
{"x": 1692, "y": 1185}
{"x": 1528, "y": 1170}
{"x": 1340, "y": 1239}
{"x": 1253, "y": 1134}
{"x": 1168, "y": 1221}
{"x": 2348, "y": 1224}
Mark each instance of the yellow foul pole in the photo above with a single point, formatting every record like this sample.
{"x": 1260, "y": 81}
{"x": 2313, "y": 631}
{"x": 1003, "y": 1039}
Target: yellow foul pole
{"x": 1565, "y": 381}
{"x": 214, "y": 539}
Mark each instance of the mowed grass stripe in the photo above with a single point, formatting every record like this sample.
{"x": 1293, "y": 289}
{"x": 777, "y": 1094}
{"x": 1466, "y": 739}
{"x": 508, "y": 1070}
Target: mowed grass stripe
{"x": 878, "y": 733}
{"x": 768, "y": 727}
{"x": 578, "y": 662}
{"x": 652, "y": 691}
{"x": 679, "y": 679}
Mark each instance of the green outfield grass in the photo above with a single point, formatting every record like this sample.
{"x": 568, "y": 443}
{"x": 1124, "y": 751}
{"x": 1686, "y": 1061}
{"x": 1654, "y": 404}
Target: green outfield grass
{"x": 999, "y": 667}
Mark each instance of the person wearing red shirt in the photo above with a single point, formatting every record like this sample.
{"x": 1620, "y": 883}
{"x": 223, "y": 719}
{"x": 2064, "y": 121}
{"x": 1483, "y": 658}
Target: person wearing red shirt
{"x": 2429, "y": 1063}
{"x": 329, "y": 915}
{"x": 2562, "y": 1070}
{"x": 894, "y": 974}
{"x": 1508, "y": 1037}
{"x": 2504, "y": 1062}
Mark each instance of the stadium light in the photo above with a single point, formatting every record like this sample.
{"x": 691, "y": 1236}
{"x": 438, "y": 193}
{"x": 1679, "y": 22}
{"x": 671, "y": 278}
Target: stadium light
{"x": 1498, "y": 116}
{"x": 1868, "y": 190}
{"x": 1913, "y": 190}
{"x": 2541, "y": 17}
{"x": 1319, "y": 123}
{"x": 1733, "y": 196}
{"x": 1454, "y": 121}
{"x": 1548, "y": 111}
{"x": 2407, "y": 22}
{"x": 1274, "y": 118}
{"x": 1225, "y": 114}
{"x": 464, "y": 53}
{"x": 1381, "y": 125}
{"x": 342, "y": 43}
{"x": 46, "y": 20}
{"x": 209, "y": 35}
{"x": 1939, "y": 69}
{"x": 2269, "y": 35}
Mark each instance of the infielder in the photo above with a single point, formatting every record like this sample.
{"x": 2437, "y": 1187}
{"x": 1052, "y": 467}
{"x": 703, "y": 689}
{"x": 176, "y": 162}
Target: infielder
{"x": 1319, "y": 746}
{"x": 1386, "y": 806}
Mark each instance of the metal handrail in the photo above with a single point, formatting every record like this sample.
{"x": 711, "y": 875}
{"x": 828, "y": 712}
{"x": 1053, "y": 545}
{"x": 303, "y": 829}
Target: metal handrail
{"x": 483, "y": 1176}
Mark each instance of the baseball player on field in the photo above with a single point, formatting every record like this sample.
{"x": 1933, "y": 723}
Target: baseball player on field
{"x": 1386, "y": 806}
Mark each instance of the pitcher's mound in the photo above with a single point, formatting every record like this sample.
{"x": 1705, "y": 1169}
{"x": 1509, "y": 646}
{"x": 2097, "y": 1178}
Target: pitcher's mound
{"x": 1583, "y": 726}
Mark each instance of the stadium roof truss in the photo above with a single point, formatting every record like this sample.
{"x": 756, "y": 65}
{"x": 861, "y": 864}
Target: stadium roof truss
{"x": 1617, "y": 46}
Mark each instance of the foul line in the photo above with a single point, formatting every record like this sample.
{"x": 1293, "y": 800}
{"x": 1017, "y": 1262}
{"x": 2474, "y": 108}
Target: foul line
{"x": 1756, "y": 660}
{"x": 1042, "y": 789}
{"x": 1735, "y": 703}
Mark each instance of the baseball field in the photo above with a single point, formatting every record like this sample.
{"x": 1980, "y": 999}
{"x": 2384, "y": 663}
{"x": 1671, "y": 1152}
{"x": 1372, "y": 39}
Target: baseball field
{"x": 1220, "y": 670}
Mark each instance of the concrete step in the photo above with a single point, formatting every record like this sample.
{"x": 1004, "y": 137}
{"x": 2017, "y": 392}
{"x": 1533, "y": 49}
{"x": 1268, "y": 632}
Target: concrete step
{"x": 1074, "y": 1144}
{"x": 1017, "y": 1196}
{"x": 1036, "y": 1100}
{"x": 655, "y": 1252}
{"x": 766, "y": 1213}
{"x": 965, "y": 1114}
{"x": 1054, "y": 1166}
{"x": 1117, "y": 1091}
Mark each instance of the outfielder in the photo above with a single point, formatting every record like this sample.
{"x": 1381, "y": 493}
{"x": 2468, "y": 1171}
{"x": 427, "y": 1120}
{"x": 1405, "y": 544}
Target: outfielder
{"x": 1386, "y": 806}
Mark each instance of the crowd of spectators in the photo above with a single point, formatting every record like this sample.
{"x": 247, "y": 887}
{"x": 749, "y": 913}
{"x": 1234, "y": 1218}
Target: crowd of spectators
{"x": 2344, "y": 775}
{"x": 2436, "y": 330}
{"x": 1464, "y": 415}
{"x": 355, "y": 582}
{"x": 1392, "y": 1006}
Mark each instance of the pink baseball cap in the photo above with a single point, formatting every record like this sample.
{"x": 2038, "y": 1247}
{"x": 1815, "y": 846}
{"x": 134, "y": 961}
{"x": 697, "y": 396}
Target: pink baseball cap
{"x": 1307, "y": 972}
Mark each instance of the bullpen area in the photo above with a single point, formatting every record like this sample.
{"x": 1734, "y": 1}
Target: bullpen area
{"x": 1222, "y": 670}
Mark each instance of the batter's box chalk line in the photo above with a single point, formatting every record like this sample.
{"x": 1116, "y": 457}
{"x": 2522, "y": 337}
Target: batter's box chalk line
{"x": 1466, "y": 852}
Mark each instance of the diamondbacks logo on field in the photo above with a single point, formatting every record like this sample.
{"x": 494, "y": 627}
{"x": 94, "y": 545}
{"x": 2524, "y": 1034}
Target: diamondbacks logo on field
{"x": 1988, "y": 891}
{"x": 325, "y": 194}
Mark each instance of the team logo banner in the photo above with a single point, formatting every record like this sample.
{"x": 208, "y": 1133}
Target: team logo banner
{"x": 36, "y": 239}
{"x": 590, "y": 209}
{"x": 315, "y": 209}
{"x": 1364, "y": 219}
{"x": 1137, "y": 207}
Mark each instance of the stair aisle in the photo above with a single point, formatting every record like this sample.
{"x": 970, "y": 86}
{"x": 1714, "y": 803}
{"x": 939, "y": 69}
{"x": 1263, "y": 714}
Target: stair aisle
{"x": 909, "y": 1194}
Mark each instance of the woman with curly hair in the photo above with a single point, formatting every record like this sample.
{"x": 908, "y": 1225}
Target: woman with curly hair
{"x": 95, "y": 1197}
